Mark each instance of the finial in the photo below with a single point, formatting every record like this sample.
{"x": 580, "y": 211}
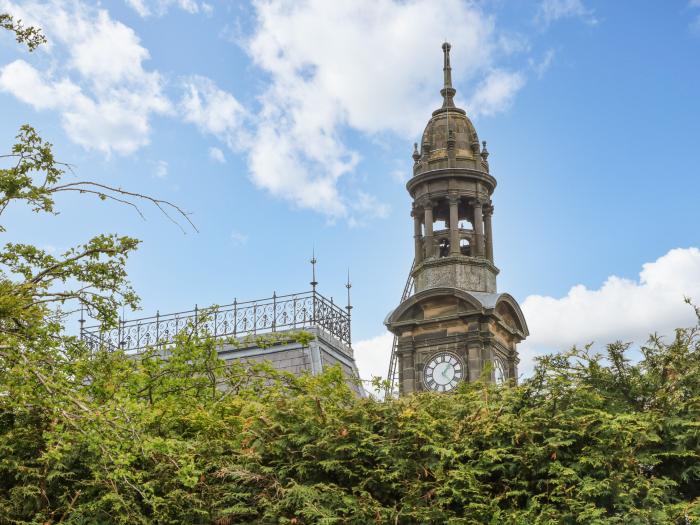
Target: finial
{"x": 447, "y": 92}
{"x": 313, "y": 270}
{"x": 484, "y": 151}
{"x": 82, "y": 320}
{"x": 348, "y": 285}
{"x": 416, "y": 155}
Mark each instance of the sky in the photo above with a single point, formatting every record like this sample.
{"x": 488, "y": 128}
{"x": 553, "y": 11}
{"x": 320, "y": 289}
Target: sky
{"x": 287, "y": 127}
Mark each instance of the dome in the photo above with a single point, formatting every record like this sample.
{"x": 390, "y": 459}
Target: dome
{"x": 448, "y": 127}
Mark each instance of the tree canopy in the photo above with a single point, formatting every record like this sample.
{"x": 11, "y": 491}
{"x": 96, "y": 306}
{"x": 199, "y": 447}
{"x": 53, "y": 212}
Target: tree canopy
{"x": 101, "y": 437}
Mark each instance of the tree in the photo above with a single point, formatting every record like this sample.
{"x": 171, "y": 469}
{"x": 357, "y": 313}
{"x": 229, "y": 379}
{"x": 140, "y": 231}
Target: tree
{"x": 101, "y": 437}
{"x": 31, "y": 279}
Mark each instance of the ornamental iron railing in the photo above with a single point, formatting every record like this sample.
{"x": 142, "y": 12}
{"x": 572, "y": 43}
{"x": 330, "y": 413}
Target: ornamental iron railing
{"x": 236, "y": 320}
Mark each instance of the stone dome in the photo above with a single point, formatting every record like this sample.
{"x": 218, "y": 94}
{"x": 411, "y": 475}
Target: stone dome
{"x": 448, "y": 127}
{"x": 433, "y": 145}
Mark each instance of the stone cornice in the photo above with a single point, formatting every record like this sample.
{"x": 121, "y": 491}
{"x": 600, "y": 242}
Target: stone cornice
{"x": 456, "y": 259}
{"x": 446, "y": 173}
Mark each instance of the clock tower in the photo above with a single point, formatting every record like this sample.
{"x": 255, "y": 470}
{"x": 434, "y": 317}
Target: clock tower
{"x": 455, "y": 326}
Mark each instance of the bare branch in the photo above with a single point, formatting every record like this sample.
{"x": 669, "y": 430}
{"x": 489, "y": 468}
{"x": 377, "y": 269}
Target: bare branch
{"x": 113, "y": 198}
{"x": 160, "y": 203}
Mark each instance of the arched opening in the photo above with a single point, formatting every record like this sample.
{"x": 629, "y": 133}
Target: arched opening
{"x": 499, "y": 371}
{"x": 444, "y": 247}
{"x": 439, "y": 224}
{"x": 464, "y": 247}
{"x": 464, "y": 224}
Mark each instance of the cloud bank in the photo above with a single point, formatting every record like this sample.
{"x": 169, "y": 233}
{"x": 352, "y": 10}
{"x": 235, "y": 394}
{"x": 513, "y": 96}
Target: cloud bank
{"x": 147, "y": 8}
{"x": 372, "y": 66}
{"x": 552, "y": 10}
{"x": 98, "y": 82}
{"x": 331, "y": 70}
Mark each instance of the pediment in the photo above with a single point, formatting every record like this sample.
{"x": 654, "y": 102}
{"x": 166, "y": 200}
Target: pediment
{"x": 434, "y": 304}
{"x": 510, "y": 313}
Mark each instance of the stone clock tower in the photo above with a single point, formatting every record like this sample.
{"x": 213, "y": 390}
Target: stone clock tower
{"x": 456, "y": 325}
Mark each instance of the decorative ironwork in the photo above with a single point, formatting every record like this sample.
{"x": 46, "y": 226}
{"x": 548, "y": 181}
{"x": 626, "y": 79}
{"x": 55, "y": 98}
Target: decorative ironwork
{"x": 238, "y": 320}
{"x": 393, "y": 375}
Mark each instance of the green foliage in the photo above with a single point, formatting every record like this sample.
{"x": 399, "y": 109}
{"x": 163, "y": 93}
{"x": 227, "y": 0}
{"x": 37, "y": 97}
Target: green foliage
{"x": 31, "y": 36}
{"x": 178, "y": 437}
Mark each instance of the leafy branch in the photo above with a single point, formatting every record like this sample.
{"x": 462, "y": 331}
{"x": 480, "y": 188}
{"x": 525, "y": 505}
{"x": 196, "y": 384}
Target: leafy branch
{"x": 32, "y": 36}
{"x": 36, "y": 175}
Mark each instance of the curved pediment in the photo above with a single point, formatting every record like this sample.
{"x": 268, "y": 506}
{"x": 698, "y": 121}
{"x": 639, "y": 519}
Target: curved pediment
{"x": 510, "y": 313}
{"x": 434, "y": 303}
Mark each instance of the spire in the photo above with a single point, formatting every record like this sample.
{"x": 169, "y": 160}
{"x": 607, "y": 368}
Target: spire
{"x": 313, "y": 261}
{"x": 447, "y": 92}
{"x": 348, "y": 285}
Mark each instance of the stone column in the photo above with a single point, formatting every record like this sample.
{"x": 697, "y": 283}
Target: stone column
{"x": 488, "y": 212}
{"x": 454, "y": 225}
{"x": 417, "y": 234}
{"x": 478, "y": 228}
{"x": 428, "y": 244}
{"x": 474, "y": 362}
{"x": 407, "y": 382}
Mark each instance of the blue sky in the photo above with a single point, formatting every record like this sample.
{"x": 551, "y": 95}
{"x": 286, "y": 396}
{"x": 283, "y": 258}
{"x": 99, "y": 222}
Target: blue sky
{"x": 288, "y": 126}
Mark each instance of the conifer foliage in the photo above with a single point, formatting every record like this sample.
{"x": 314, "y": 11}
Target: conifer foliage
{"x": 100, "y": 437}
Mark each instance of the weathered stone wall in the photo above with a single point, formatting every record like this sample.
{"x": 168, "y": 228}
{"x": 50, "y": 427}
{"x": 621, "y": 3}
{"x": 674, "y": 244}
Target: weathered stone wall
{"x": 463, "y": 273}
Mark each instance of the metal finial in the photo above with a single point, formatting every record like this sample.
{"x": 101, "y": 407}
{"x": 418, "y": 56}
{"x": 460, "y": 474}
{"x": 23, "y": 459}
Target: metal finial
{"x": 313, "y": 270}
{"x": 484, "y": 151}
{"x": 348, "y": 285}
{"x": 447, "y": 68}
{"x": 447, "y": 92}
{"x": 416, "y": 154}
{"x": 82, "y": 320}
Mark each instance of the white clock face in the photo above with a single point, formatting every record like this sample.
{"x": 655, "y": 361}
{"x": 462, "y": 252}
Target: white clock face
{"x": 443, "y": 372}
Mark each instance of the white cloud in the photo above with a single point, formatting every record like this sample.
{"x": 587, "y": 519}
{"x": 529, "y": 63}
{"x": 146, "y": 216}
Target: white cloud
{"x": 552, "y": 10}
{"x": 540, "y": 67}
{"x": 98, "y": 84}
{"x": 213, "y": 110}
{"x": 372, "y": 66}
{"x": 365, "y": 207}
{"x": 239, "y": 238}
{"x": 372, "y": 356}
{"x": 695, "y": 24}
{"x": 621, "y": 309}
{"x": 377, "y": 71}
{"x": 217, "y": 155}
{"x": 161, "y": 169}
{"x": 495, "y": 93}
{"x": 401, "y": 175}
{"x": 159, "y": 7}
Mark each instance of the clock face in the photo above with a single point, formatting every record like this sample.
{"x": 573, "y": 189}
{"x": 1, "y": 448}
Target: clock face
{"x": 443, "y": 372}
